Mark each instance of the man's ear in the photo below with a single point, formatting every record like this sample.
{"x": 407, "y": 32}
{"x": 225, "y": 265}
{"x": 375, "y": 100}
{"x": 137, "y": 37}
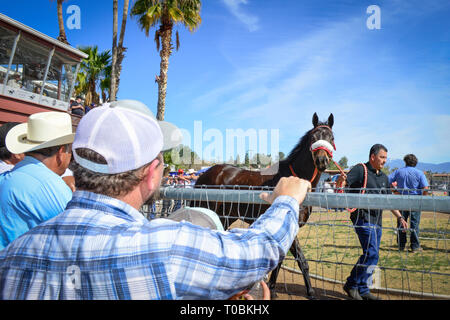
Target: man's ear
{"x": 151, "y": 179}
{"x": 59, "y": 158}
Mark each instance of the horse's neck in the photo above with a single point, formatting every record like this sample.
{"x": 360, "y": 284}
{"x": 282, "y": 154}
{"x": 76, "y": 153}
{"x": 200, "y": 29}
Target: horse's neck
{"x": 303, "y": 165}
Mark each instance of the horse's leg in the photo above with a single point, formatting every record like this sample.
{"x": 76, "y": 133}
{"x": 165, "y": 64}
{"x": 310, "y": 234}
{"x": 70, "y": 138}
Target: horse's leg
{"x": 302, "y": 264}
{"x": 297, "y": 252}
{"x": 273, "y": 281}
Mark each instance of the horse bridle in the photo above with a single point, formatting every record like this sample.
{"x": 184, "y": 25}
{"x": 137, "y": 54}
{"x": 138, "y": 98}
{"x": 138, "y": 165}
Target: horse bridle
{"x": 320, "y": 145}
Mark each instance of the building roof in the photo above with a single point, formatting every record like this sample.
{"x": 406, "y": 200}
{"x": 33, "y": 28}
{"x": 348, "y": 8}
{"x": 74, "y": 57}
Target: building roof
{"x": 16, "y": 24}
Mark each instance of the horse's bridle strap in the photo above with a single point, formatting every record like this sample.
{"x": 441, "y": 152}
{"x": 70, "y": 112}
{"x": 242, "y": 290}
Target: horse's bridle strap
{"x": 295, "y": 175}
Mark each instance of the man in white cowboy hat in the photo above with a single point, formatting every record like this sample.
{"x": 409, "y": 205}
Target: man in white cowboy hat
{"x": 33, "y": 191}
{"x": 102, "y": 247}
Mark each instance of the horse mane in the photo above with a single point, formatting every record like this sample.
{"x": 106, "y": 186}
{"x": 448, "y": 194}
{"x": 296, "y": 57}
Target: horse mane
{"x": 304, "y": 143}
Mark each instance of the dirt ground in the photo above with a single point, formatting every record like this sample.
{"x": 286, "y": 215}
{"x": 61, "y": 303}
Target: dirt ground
{"x": 291, "y": 287}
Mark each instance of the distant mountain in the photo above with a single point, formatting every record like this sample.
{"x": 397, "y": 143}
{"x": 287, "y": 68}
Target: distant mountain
{"x": 439, "y": 168}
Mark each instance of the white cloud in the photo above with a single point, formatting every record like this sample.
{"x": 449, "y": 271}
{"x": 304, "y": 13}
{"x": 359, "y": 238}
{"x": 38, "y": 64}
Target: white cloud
{"x": 235, "y": 7}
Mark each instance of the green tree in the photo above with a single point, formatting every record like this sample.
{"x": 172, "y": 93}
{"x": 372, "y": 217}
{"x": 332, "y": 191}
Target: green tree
{"x": 332, "y": 166}
{"x": 343, "y": 162}
{"x": 238, "y": 161}
{"x": 105, "y": 83}
{"x": 166, "y": 14}
{"x": 184, "y": 157}
{"x": 94, "y": 68}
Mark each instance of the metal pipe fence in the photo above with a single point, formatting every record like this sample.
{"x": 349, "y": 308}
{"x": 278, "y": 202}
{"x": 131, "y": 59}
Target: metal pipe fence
{"x": 330, "y": 244}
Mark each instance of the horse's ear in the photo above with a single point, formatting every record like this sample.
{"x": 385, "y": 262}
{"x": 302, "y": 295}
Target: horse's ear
{"x": 331, "y": 120}
{"x": 315, "y": 120}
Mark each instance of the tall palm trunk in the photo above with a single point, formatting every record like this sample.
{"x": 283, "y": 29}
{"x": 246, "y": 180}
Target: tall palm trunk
{"x": 165, "y": 32}
{"x": 113, "y": 90}
{"x": 62, "y": 31}
{"x": 120, "y": 48}
{"x": 117, "y": 48}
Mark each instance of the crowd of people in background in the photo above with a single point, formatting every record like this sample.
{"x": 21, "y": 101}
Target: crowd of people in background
{"x": 79, "y": 108}
{"x": 180, "y": 178}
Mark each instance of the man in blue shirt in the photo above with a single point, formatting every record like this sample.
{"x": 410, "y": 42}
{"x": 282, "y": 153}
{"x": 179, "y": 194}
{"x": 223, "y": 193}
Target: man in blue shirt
{"x": 102, "y": 247}
{"x": 410, "y": 181}
{"x": 33, "y": 191}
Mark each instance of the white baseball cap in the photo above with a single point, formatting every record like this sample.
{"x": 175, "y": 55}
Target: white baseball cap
{"x": 126, "y": 134}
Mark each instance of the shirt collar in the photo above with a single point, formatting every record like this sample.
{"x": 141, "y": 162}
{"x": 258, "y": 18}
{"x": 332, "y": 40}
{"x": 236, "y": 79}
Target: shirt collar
{"x": 99, "y": 202}
{"x": 370, "y": 168}
{"x": 28, "y": 160}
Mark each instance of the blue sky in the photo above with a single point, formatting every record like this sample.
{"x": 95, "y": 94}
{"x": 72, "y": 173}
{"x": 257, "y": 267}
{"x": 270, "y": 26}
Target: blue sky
{"x": 259, "y": 64}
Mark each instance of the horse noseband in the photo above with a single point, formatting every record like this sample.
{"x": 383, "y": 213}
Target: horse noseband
{"x": 323, "y": 145}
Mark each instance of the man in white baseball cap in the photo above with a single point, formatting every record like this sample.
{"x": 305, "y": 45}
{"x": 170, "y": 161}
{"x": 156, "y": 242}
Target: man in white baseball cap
{"x": 33, "y": 191}
{"x": 102, "y": 247}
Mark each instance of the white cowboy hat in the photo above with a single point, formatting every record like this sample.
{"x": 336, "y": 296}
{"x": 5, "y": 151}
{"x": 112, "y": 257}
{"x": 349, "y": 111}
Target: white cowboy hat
{"x": 43, "y": 130}
{"x": 191, "y": 171}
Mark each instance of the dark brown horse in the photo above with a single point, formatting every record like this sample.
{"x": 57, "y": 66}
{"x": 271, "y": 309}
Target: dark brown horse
{"x": 307, "y": 160}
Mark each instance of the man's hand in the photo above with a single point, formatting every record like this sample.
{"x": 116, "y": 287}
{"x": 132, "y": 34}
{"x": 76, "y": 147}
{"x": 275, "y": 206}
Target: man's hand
{"x": 403, "y": 224}
{"x": 340, "y": 182}
{"x": 288, "y": 186}
{"x": 70, "y": 181}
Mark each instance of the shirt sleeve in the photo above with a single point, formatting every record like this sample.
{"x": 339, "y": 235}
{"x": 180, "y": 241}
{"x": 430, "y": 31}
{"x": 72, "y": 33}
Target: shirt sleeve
{"x": 210, "y": 264}
{"x": 423, "y": 182}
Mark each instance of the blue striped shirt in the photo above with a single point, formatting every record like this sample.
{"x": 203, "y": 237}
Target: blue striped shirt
{"x": 102, "y": 248}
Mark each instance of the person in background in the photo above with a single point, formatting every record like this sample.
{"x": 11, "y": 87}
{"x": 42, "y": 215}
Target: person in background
{"x": 412, "y": 181}
{"x": 33, "y": 191}
{"x": 15, "y": 81}
{"x": 89, "y": 108}
{"x": 328, "y": 188}
{"x": 77, "y": 107}
{"x": 7, "y": 159}
{"x": 192, "y": 178}
{"x": 102, "y": 247}
{"x": 180, "y": 181}
{"x": 367, "y": 222}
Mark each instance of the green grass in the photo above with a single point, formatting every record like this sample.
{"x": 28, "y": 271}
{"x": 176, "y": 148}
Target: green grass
{"x": 329, "y": 238}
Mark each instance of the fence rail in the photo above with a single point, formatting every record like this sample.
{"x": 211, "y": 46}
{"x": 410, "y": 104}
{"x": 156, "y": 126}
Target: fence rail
{"x": 317, "y": 199}
{"x": 330, "y": 245}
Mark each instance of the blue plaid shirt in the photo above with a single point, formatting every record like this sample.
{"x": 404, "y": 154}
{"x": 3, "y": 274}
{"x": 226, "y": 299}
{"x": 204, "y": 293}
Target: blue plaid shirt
{"x": 102, "y": 248}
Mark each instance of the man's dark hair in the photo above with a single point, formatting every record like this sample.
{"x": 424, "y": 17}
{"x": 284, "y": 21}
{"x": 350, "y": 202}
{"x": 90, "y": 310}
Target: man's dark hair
{"x": 410, "y": 160}
{"x": 4, "y": 153}
{"x": 111, "y": 185}
{"x": 50, "y": 151}
{"x": 4, "y": 129}
{"x": 376, "y": 148}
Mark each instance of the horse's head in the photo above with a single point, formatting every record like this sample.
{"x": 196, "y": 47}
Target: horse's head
{"x": 322, "y": 142}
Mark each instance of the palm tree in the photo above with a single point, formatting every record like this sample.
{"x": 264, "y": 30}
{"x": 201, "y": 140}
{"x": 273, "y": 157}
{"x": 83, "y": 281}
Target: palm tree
{"x": 106, "y": 83}
{"x": 118, "y": 50}
{"x": 95, "y": 68}
{"x": 166, "y": 13}
{"x": 62, "y": 32}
